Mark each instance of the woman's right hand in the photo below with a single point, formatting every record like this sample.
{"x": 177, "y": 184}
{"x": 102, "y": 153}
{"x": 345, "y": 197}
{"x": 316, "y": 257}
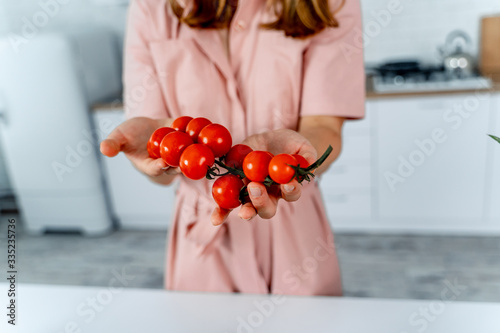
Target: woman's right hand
{"x": 131, "y": 137}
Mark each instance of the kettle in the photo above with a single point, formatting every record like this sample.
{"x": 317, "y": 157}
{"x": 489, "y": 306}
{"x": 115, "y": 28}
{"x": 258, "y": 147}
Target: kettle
{"x": 456, "y": 54}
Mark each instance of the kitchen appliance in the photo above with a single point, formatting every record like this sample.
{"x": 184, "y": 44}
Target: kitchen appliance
{"x": 5, "y": 187}
{"x": 490, "y": 47}
{"x": 413, "y": 76}
{"x": 456, "y": 53}
{"x": 51, "y": 154}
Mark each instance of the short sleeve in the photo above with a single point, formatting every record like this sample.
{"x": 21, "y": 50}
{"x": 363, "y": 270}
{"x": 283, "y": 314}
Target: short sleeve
{"x": 333, "y": 72}
{"x": 142, "y": 94}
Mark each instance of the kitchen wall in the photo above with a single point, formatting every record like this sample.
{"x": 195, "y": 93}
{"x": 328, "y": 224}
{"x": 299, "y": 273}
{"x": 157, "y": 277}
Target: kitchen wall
{"x": 4, "y": 23}
{"x": 417, "y": 28}
{"x": 16, "y": 15}
{"x": 414, "y": 29}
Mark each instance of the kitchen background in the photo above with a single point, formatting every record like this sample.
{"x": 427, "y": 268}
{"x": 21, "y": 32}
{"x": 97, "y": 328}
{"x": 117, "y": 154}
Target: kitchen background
{"x": 416, "y": 31}
{"x": 413, "y": 198}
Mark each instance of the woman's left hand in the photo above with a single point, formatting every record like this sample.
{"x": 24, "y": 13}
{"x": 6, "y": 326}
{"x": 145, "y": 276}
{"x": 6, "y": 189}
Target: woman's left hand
{"x": 264, "y": 202}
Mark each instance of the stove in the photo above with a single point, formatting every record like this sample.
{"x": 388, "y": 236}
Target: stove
{"x": 411, "y": 76}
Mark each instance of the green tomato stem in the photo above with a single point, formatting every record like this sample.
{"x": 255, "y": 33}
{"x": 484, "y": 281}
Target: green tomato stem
{"x": 496, "y": 138}
{"x": 231, "y": 170}
{"x": 320, "y": 161}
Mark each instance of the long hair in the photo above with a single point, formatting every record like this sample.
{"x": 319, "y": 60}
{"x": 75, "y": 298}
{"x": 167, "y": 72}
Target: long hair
{"x": 297, "y": 18}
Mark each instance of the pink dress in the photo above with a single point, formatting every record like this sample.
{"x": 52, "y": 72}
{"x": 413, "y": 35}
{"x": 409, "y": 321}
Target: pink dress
{"x": 269, "y": 82}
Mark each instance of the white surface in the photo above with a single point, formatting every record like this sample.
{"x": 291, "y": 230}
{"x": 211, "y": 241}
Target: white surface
{"x": 49, "y": 309}
{"x": 51, "y": 156}
{"x": 137, "y": 202}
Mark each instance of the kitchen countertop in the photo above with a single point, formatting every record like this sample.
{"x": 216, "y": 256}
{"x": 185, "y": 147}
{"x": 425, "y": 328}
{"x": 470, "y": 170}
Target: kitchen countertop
{"x": 49, "y": 308}
{"x": 370, "y": 94}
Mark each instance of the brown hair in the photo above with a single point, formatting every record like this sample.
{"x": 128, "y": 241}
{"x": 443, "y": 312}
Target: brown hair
{"x": 297, "y": 18}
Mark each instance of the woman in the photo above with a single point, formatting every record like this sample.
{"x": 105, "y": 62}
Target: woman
{"x": 275, "y": 74}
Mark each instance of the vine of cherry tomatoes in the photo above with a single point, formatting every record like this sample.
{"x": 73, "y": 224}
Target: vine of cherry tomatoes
{"x": 199, "y": 147}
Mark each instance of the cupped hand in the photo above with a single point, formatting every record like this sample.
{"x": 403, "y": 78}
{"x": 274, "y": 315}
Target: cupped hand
{"x": 131, "y": 137}
{"x": 264, "y": 201}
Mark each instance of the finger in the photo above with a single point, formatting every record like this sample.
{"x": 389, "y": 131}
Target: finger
{"x": 110, "y": 147}
{"x": 171, "y": 170}
{"x": 247, "y": 212}
{"x": 113, "y": 144}
{"x": 265, "y": 206}
{"x": 309, "y": 153}
{"x": 219, "y": 215}
{"x": 291, "y": 191}
{"x": 150, "y": 166}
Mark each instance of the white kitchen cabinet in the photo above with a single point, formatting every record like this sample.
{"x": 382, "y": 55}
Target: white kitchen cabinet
{"x": 346, "y": 186}
{"x": 431, "y": 162}
{"x": 137, "y": 203}
{"x": 347, "y": 210}
{"x": 419, "y": 165}
{"x": 344, "y": 177}
{"x": 427, "y": 165}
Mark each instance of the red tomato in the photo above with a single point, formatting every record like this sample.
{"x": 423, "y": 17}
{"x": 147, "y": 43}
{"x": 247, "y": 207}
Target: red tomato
{"x": 236, "y": 155}
{"x": 279, "y": 169}
{"x": 196, "y": 160}
{"x": 180, "y": 123}
{"x": 302, "y": 161}
{"x": 256, "y": 165}
{"x": 195, "y": 126}
{"x": 217, "y": 137}
{"x": 150, "y": 150}
{"x": 226, "y": 191}
{"x": 155, "y": 140}
{"x": 172, "y": 146}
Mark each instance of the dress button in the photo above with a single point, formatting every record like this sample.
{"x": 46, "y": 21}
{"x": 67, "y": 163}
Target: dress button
{"x": 240, "y": 25}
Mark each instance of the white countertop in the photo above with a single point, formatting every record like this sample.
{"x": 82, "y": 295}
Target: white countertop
{"x": 57, "y": 309}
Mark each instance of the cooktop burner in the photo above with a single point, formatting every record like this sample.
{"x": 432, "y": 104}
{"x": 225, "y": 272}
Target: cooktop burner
{"x": 408, "y": 76}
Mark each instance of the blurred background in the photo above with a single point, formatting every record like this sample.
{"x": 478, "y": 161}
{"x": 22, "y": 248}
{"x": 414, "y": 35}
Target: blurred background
{"x": 414, "y": 199}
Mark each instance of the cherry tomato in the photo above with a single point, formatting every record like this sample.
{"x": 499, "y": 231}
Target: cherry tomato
{"x": 256, "y": 165}
{"x": 226, "y": 191}
{"x": 301, "y": 160}
{"x": 196, "y": 160}
{"x": 172, "y": 146}
{"x": 195, "y": 126}
{"x": 217, "y": 137}
{"x": 280, "y": 170}
{"x": 155, "y": 140}
{"x": 180, "y": 123}
{"x": 236, "y": 155}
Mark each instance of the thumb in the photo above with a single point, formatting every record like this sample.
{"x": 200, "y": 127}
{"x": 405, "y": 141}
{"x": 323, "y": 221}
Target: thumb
{"x": 309, "y": 154}
{"x": 110, "y": 147}
{"x": 113, "y": 144}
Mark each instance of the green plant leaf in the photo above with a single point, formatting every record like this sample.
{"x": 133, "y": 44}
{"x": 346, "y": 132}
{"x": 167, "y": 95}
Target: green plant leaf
{"x": 496, "y": 138}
